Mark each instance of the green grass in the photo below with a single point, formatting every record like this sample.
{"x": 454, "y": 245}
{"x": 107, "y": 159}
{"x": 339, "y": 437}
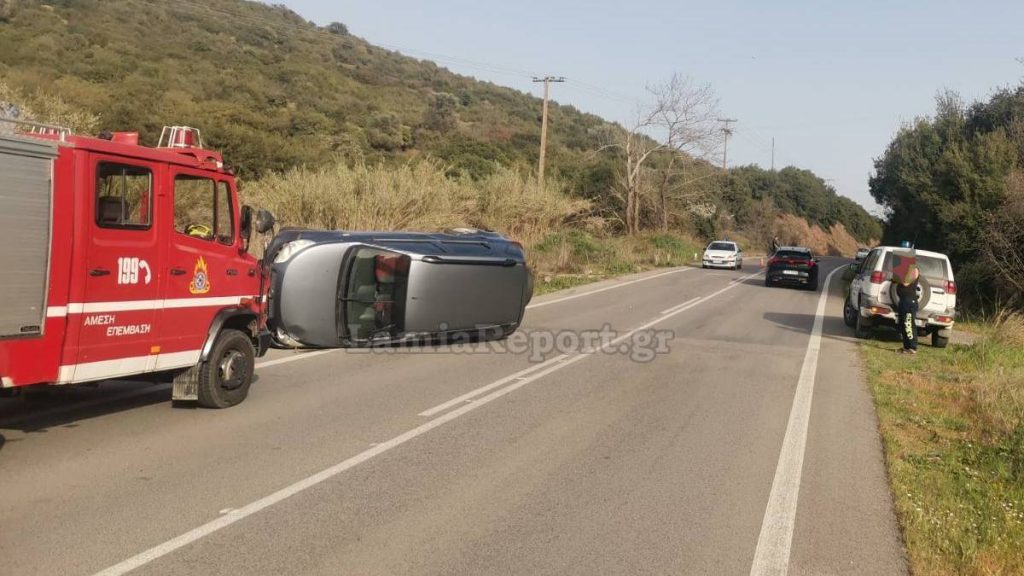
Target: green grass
{"x": 952, "y": 422}
{"x": 573, "y": 257}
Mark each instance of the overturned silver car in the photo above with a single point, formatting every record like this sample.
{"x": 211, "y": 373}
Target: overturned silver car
{"x": 332, "y": 289}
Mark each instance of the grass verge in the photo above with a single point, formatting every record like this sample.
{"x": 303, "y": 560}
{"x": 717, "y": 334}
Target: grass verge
{"x": 952, "y": 422}
{"x": 569, "y": 258}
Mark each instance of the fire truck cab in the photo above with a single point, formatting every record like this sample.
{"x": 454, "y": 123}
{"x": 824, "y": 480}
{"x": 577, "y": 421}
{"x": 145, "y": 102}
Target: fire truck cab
{"x": 121, "y": 260}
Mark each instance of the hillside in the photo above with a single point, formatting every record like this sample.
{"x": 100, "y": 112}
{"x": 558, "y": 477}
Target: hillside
{"x": 277, "y": 93}
{"x": 269, "y": 88}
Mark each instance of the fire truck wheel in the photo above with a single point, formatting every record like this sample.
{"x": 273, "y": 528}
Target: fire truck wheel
{"x": 225, "y": 377}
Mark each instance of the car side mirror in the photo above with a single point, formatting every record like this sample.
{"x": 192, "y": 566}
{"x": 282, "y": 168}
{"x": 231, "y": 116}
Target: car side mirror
{"x": 245, "y": 226}
{"x": 264, "y": 221}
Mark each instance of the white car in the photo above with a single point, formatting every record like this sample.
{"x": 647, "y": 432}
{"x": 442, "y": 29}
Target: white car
{"x": 722, "y": 254}
{"x": 862, "y": 253}
{"x": 872, "y": 300}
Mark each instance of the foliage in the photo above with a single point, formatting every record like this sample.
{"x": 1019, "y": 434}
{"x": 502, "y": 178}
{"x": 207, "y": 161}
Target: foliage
{"x": 45, "y": 108}
{"x": 287, "y": 100}
{"x": 943, "y": 179}
{"x": 794, "y": 191}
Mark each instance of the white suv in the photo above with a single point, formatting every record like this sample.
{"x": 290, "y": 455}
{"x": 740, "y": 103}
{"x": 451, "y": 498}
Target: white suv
{"x": 872, "y": 299}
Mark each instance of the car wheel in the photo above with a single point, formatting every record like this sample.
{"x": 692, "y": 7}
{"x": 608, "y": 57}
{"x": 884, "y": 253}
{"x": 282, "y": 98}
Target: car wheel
{"x": 813, "y": 286}
{"x": 849, "y": 314}
{"x": 862, "y": 328}
{"x": 939, "y": 341}
{"x": 767, "y": 283}
{"x": 225, "y": 377}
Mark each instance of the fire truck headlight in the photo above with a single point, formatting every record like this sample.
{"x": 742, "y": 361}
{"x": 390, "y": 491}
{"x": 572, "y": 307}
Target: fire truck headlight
{"x": 289, "y": 250}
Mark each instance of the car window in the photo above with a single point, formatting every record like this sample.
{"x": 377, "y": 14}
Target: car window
{"x": 375, "y": 293}
{"x": 194, "y": 206}
{"x": 871, "y": 260}
{"x": 929, "y": 266}
{"x": 123, "y": 196}
{"x": 793, "y": 254}
{"x": 722, "y": 246}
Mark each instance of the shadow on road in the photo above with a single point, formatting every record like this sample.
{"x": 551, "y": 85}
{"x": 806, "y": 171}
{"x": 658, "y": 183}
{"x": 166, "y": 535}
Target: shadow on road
{"x": 39, "y": 411}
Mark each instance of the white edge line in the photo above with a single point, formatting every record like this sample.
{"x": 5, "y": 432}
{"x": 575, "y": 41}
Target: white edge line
{"x": 612, "y": 287}
{"x": 776, "y": 537}
{"x": 160, "y": 550}
{"x": 295, "y": 356}
{"x": 687, "y": 303}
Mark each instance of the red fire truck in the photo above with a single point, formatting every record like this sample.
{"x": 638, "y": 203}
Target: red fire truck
{"x": 121, "y": 260}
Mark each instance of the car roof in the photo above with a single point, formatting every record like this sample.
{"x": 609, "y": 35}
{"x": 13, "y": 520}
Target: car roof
{"x": 916, "y": 250}
{"x": 794, "y": 248}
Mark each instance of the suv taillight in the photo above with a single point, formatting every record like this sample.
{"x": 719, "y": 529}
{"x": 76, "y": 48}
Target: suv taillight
{"x": 877, "y": 277}
{"x": 950, "y": 287}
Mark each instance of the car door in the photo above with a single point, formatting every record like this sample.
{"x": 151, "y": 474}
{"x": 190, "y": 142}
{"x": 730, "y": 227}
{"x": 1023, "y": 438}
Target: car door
{"x": 116, "y": 318}
{"x": 863, "y": 272}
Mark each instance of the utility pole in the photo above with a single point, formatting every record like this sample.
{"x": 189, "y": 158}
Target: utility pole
{"x": 547, "y": 80}
{"x": 773, "y": 153}
{"x": 728, "y": 132}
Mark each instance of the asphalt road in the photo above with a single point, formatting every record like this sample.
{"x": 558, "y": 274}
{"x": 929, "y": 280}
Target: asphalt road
{"x": 750, "y": 446}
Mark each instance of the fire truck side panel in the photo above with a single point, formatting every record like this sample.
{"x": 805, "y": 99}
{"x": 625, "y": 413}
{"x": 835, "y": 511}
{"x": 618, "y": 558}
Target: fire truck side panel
{"x": 32, "y": 356}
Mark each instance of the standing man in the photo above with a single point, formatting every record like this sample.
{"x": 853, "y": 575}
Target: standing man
{"x": 906, "y": 290}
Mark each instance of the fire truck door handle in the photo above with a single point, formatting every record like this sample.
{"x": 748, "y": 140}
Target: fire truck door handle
{"x": 177, "y": 271}
{"x": 99, "y": 272}
{"x": 232, "y": 272}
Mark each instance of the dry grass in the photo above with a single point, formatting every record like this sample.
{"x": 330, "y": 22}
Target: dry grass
{"x": 953, "y": 425}
{"x": 414, "y": 196}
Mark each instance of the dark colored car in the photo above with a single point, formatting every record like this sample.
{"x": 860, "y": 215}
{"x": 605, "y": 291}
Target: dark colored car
{"x": 333, "y": 289}
{"x": 792, "y": 265}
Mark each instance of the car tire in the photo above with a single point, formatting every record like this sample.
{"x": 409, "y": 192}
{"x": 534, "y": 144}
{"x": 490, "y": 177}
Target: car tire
{"x": 767, "y": 283}
{"x": 939, "y": 341}
{"x": 862, "y": 328}
{"x": 813, "y": 286}
{"x": 225, "y": 377}
{"x": 849, "y": 314}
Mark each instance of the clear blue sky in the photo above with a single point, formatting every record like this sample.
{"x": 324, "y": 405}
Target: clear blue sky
{"x": 831, "y": 81}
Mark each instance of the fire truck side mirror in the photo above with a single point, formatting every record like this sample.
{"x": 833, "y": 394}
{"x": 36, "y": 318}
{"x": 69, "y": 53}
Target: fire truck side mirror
{"x": 245, "y": 225}
{"x": 264, "y": 221}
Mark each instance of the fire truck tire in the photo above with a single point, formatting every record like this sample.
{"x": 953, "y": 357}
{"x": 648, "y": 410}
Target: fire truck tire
{"x": 225, "y": 377}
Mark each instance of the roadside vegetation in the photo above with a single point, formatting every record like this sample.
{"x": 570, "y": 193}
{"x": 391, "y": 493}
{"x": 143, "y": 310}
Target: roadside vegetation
{"x": 326, "y": 129}
{"x": 952, "y": 423}
{"x": 954, "y": 183}
{"x": 566, "y": 244}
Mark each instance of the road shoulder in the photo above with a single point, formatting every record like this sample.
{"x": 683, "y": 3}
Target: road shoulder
{"x": 845, "y": 521}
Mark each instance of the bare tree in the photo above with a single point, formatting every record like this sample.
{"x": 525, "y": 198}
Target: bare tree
{"x": 680, "y": 121}
{"x": 685, "y": 115}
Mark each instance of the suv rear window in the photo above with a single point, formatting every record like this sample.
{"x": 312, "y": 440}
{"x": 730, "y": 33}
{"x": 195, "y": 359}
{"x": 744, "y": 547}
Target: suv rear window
{"x": 793, "y": 254}
{"x": 929, "y": 266}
